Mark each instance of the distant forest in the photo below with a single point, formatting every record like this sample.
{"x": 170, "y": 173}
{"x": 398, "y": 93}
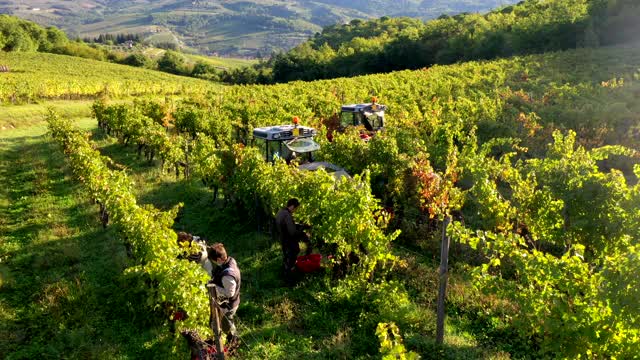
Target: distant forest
{"x": 229, "y": 27}
{"x": 22, "y": 35}
{"x": 388, "y": 44}
{"x": 114, "y": 39}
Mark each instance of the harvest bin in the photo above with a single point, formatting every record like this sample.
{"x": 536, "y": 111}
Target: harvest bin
{"x": 309, "y": 263}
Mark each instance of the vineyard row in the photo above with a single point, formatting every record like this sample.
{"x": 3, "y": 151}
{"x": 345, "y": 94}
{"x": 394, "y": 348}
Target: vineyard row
{"x": 539, "y": 221}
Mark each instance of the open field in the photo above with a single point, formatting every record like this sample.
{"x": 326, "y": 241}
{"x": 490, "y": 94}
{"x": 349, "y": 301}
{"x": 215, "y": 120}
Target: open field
{"x": 219, "y": 62}
{"x": 20, "y": 116}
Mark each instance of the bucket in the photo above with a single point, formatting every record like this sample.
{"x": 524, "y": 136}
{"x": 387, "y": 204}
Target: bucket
{"x": 309, "y": 263}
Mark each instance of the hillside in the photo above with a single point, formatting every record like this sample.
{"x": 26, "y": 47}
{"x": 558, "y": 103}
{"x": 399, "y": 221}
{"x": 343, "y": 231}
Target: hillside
{"x": 229, "y": 27}
{"x": 39, "y": 76}
{"x": 545, "y": 227}
{"x": 383, "y": 45}
{"x": 19, "y": 35}
{"x": 529, "y": 164}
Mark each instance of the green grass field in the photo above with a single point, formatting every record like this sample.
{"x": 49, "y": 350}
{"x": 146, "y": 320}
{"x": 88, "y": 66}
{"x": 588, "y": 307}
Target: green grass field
{"x": 221, "y": 62}
{"x": 20, "y": 116}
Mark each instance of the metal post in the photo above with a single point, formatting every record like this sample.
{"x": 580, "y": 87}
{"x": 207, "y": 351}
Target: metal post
{"x": 444, "y": 274}
{"x": 214, "y": 319}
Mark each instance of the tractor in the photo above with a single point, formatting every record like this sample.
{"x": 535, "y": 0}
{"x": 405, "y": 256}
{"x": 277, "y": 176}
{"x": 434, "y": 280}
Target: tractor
{"x": 286, "y": 142}
{"x": 291, "y": 142}
{"x": 369, "y": 115}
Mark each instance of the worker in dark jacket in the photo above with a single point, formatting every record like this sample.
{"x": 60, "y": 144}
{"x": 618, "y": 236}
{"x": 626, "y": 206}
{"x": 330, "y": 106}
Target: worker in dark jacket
{"x": 290, "y": 236}
{"x": 226, "y": 277}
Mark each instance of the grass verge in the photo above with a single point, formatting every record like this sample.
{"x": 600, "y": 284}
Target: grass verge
{"x": 27, "y": 115}
{"x": 62, "y": 289}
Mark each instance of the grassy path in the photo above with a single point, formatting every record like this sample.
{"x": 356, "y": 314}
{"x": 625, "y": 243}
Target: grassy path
{"x": 62, "y": 292}
{"x": 28, "y": 115}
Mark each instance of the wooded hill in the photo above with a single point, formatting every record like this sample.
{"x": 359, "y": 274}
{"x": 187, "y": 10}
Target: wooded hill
{"x": 18, "y": 35}
{"x": 388, "y": 44}
{"x": 230, "y": 26}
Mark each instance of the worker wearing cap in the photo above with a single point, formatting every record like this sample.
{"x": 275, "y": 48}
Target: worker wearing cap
{"x": 290, "y": 237}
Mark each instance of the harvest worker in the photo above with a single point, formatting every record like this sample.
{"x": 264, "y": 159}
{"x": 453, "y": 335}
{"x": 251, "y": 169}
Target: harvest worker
{"x": 226, "y": 277}
{"x": 290, "y": 237}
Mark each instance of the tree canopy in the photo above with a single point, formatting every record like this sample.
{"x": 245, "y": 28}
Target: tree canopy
{"x": 388, "y": 44}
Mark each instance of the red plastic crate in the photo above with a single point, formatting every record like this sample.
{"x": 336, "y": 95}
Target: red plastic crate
{"x": 309, "y": 263}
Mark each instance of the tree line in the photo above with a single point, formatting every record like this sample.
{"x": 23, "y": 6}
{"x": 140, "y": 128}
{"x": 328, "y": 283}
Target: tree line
{"x": 21, "y": 35}
{"x": 389, "y": 44}
{"x": 114, "y": 38}
{"x": 26, "y": 36}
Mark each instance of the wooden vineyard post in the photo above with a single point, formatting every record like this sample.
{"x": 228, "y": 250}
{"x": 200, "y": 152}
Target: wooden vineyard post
{"x": 444, "y": 275}
{"x": 214, "y": 319}
{"x": 186, "y": 160}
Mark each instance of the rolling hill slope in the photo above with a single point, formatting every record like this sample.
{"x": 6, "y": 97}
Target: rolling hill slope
{"x": 230, "y": 26}
{"x": 35, "y": 76}
{"x": 50, "y": 233}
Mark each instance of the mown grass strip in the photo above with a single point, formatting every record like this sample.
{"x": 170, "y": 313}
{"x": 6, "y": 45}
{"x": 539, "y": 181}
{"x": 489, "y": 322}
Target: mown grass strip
{"x": 62, "y": 292}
